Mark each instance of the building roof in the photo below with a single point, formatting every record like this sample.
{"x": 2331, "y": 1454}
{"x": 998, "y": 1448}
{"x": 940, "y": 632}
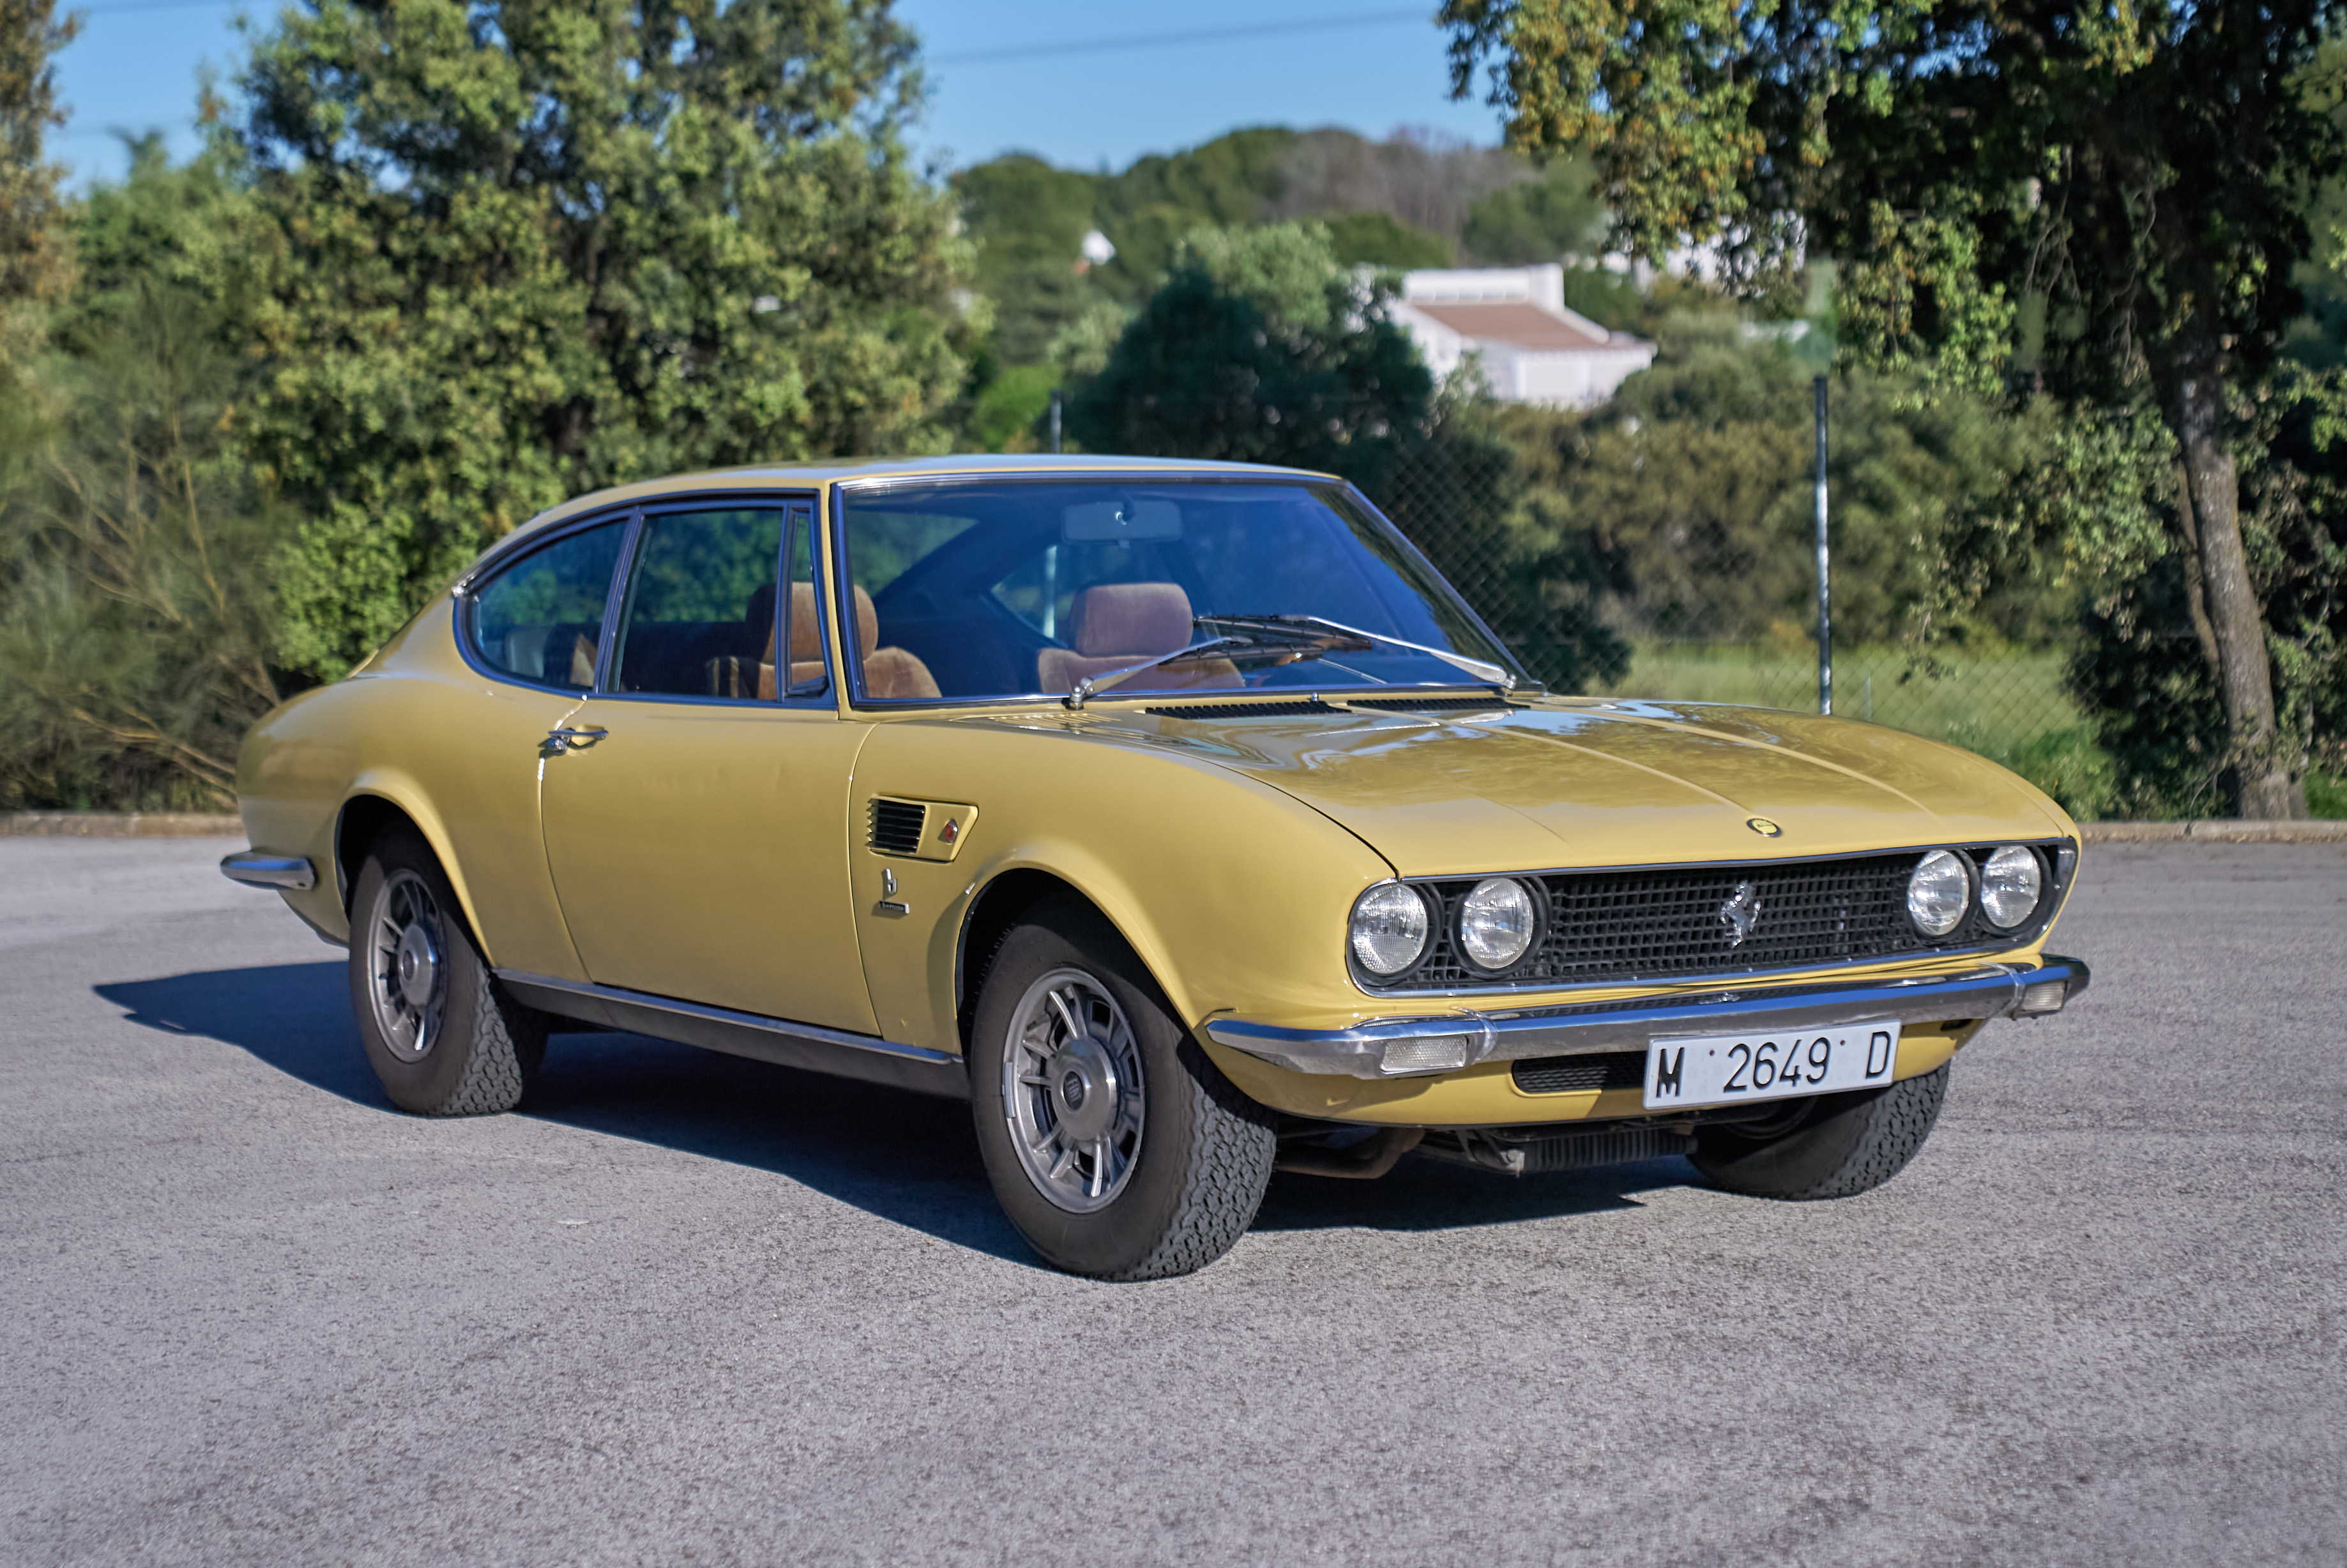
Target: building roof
{"x": 1523, "y": 325}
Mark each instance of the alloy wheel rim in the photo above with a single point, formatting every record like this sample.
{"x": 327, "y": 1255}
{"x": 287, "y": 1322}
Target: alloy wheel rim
{"x": 1072, "y": 1091}
{"x": 408, "y": 970}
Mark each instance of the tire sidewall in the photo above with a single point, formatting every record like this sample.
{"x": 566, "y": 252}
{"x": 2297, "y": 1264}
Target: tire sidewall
{"x": 428, "y": 1085}
{"x": 1118, "y": 1236}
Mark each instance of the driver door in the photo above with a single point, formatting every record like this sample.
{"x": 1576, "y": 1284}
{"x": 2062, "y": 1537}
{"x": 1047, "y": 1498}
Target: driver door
{"x": 696, "y": 817}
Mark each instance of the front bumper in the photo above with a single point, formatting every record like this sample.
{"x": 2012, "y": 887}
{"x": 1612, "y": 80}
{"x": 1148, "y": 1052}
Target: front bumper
{"x": 256, "y": 868}
{"x": 1418, "y": 1046}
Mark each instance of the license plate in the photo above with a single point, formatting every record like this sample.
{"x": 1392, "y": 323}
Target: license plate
{"x": 1731, "y": 1069}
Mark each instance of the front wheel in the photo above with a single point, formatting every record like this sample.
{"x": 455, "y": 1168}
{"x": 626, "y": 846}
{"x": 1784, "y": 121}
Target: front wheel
{"x": 1112, "y": 1143}
{"x": 1844, "y": 1145}
{"x": 440, "y": 1032}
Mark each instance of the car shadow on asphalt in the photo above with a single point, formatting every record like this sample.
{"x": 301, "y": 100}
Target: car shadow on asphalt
{"x": 907, "y": 1158}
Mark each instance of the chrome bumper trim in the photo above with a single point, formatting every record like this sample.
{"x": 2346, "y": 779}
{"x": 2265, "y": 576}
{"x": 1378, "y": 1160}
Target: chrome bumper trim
{"x": 256, "y": 869}
{"x": 1995, "y": 991}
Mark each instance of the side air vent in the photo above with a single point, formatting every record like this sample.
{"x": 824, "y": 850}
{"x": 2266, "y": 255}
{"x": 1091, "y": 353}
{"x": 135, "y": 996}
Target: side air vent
{"x": 1428, "y": 704}
{"x": 897, "y": 826}
{"x": 1293, "y": 710}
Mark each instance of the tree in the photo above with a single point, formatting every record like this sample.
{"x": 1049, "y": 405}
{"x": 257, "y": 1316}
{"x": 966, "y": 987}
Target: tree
{"x": 135, "y": 595}
{"x": 506, "y": 251}
{"x": 2137, "y": 177}
{"x": 34, "y": 263}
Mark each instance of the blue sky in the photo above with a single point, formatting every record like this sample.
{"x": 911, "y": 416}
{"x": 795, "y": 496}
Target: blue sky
{"x": 1371, "y": 66}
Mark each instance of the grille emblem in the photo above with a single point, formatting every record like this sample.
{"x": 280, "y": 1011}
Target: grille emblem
{"x": 1739, "y": 912}
{"x": 1763, "y": 826}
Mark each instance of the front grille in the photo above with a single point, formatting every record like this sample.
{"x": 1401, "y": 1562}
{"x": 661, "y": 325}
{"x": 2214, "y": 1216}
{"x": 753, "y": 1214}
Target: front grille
{"x": 1578, "y": 1074}
{"x": 898, "y": 824}
{"x": 1295, "y": 709}
{"x": 1659, "y": 923}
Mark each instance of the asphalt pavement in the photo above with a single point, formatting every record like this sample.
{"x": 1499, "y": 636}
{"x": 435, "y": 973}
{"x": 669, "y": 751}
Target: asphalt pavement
{"x": 684, "y": 1309}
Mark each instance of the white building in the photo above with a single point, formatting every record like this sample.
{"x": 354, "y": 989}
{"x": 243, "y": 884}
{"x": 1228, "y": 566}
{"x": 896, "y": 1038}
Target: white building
{"x": 1533, "y": 349}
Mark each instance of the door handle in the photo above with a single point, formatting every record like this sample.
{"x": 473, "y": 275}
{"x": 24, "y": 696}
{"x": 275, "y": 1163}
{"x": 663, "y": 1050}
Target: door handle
{"x": 559, "y": 740}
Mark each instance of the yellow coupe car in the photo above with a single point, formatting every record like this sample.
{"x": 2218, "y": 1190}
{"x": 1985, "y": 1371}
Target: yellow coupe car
{"x": 1178, "y": 816}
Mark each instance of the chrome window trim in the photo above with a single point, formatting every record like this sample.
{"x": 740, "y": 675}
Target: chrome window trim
{"x": 466, "y": 603}
{"x": 836, "y": 529}
{"x": 2064, "y": 850}
{"x": 634, "y": 514}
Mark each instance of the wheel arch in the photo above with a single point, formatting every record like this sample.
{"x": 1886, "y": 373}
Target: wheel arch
{"x": 378, "y": 805}
{"x": 1001, "y": 905}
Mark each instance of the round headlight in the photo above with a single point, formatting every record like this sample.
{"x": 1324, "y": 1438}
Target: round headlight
{"x": 2011, "y": 882}
{"x": 1938, "y": 893}
{"x": 1495, "y": 922}
{"x": 1389, "y": 929}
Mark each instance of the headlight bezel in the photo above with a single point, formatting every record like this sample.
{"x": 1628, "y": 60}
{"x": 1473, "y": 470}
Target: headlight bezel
{"x": 1425, "y": 927}
{"x": 2039, "y": 885}
{"x": 1964, "y": 893}
{"x": 1534, "y": 924}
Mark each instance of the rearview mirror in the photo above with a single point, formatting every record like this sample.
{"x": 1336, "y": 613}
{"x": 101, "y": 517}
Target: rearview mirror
{"x": 1127, "y": 518}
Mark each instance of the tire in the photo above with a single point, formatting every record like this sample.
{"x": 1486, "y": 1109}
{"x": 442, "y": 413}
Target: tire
{"x": 1846, "y": 1145}
{"x": 439, "y": 1031}
{"x": 1071, "y": 1043}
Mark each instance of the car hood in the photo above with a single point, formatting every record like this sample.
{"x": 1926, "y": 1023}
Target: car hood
{"x": 1592, "y": 783}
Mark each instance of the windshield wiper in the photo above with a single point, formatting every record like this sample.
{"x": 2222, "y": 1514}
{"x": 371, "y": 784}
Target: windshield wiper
{"x": 1234, "y": 647}
{"x": 1490, "y": 674}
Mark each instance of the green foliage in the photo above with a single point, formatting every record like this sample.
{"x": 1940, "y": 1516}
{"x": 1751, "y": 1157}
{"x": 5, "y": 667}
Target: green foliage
{"x": 1538, "y": 221}
{"x": 1006, "y": 412}
{"x": 1690, "y": 492}
{"x": 1260, "y": 348}
{"x": 135, "y": 599}
{"x": 505, "y": 254}
{"x": 34, "y": 267}
{"x": 1381, "y": 240}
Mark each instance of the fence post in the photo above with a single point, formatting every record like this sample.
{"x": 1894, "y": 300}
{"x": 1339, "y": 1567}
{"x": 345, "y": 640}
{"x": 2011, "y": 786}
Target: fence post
{"x": 1825, "y": 611}
{"x": 1055, "y": 422}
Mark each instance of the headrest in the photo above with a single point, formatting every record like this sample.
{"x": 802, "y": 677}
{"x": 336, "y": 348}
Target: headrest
{"x": 1119, "y": 618}
{"x": 806, "y": 642}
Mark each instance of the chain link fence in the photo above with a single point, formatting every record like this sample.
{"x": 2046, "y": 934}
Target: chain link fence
{"x": 1717, "y": 620}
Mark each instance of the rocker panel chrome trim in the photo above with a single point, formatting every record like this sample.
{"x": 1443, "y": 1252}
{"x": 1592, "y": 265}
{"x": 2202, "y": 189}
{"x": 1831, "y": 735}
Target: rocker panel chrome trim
{"x": 779, "y": 1041}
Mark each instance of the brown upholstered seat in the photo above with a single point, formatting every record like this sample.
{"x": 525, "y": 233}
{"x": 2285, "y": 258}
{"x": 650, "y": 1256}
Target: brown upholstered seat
{"x": 888, "y": 672}
{"x": 1121, "y": 623}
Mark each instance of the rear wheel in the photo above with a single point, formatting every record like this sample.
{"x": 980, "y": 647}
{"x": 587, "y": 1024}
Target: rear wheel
{"x": 439, "y": 1031}
{"x": 1844, "y": 1145}
{"x": 1113, "y": 1145}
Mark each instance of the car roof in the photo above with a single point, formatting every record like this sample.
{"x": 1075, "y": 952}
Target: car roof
{"x": 812, "y": 475}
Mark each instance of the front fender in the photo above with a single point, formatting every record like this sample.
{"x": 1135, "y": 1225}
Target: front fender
{"x": 1235, "y": 895}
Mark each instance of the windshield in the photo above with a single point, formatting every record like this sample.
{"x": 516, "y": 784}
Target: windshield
{"x": 970, "y": 590}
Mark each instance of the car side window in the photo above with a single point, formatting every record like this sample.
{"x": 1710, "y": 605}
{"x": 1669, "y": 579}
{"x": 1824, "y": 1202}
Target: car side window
{"x": 700, "y": 616}
{"x": 540, "y": 619}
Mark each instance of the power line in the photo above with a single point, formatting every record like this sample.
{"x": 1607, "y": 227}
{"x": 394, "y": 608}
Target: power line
{"x": 1190, "y": 35}
{"x": 1343, "y": 21}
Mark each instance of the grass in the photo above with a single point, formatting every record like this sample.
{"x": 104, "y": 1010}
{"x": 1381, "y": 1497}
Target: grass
{"x": 2014, "y": 697}
{"x": 2009, "y": 705}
